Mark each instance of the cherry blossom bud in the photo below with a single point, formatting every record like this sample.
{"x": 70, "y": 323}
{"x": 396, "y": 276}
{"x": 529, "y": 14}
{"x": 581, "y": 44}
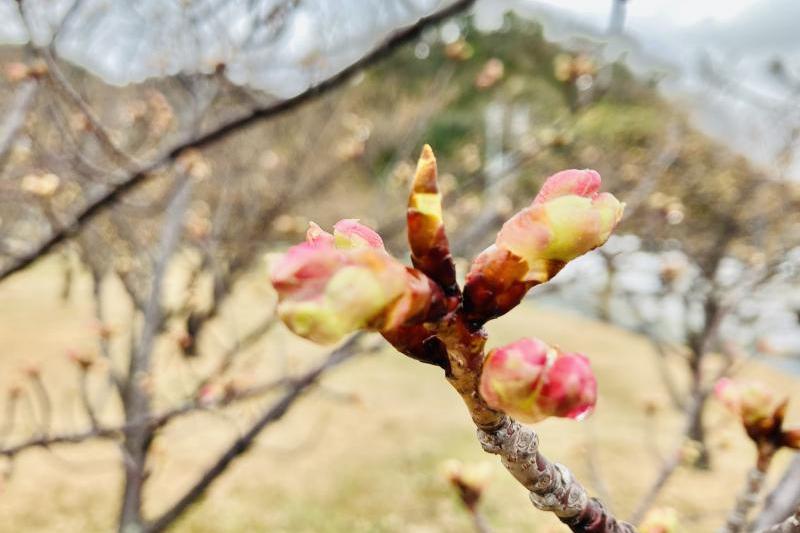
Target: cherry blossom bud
{"x": 83, "y": 360}
{"x": 430, "y": 250}
{"x": 103, "y": 330}
{"x": 459, "y": 50}
{"x": 38, "y": 68}
{"x": 334, "y": 284}
{"x": 492, "y": 72}
{"x": 16, "y": 71}
{"x": 761, "y": 412}
{"x": 751, "y": 401}
{"x": 476, "y": 475}
{"x": 660, "y": 520}
{"x": 568, "y": 218}
{"x": 470, "y": 480}
{"x": 531, "y": 381}
{"x": 209, "y": 394}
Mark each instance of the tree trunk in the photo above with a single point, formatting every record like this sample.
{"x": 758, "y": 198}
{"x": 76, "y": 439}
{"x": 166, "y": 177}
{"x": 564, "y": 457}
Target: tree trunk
{"x": 696, "y": 431}
{"x": 130, "y": 517}
{"x": 134, "y": 450}
{"x": 695, "y": 426}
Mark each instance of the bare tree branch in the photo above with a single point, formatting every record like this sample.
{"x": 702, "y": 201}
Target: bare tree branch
{"x": 136, "y": 399}
{"x": 274, "y": 413}
{"x": 119, "y": 187}
{"x": 15, "y": 115}
{"x": 152, "y": 422}
{"x": 783, "y": 499}
{"x": 790, "y": 525}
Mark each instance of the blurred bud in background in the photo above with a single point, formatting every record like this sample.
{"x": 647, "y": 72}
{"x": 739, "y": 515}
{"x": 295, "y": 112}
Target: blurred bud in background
{"x": 660, "y": 520}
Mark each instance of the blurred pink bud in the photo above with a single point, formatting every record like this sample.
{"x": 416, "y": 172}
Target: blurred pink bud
{"x": 531, "y": 381}
{"x": 568, "y": 218}
{"x": 82, "y": 360}
{"x": 16, "y": 71}
{"x": 660, "y": 520}
{"x": 102, "y": 329}
{"x": 208, "y": 394}
{"x": 332, "y": 285}
{"x": 492, "y": 72}
{"x": 750, "y": 401}
{"x": 32, "y": 370}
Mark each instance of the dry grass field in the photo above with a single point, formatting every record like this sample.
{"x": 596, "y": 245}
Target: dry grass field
{"x": 361, "y": 453}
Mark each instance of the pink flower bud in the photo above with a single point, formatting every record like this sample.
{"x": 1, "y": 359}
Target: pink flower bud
{"x": 660, "y": 520}
{"x": 750, "y": 401}
{"x": 568, "y": 218}
{"x": 332, "y": 285}
{"x": 531, "y": 381}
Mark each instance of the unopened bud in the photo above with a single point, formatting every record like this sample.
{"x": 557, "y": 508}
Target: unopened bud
{"x": 83, "y": 360}
{"x": 751, "y": 401}
{"x": 16, "y": 72}
{"x": 471, "y": 479}
{"x": 492, "y": 72}
{"x": 660, "y": 520}
{"x": 334, "y": 284}
{"x": 568, "y": 218}
{"x": 32, "y": 371}
{"x": 531, "y": 381}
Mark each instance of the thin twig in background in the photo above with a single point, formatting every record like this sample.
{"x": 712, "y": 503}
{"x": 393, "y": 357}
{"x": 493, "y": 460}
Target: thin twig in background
{"x": 15, "y": 116}
{"x": 137, "y": 394}
{"x": 122, "y": 185}
{"x": 272, "y": 414}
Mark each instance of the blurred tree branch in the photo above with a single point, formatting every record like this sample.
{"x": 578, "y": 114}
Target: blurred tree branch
{"x": 120, "y": 186}
{"x": 783, "y": 499}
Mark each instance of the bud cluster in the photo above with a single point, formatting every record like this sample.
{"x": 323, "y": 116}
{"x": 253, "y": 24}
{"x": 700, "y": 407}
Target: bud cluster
{"x": 336, "y": 283}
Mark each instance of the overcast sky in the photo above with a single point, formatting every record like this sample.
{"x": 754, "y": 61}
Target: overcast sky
{"x": 671, "y": 12}
{"x": 125, "y": 41}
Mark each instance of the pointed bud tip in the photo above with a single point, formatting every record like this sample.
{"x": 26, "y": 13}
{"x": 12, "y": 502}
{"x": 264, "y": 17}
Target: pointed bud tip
{"x": 425, "y": 176}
